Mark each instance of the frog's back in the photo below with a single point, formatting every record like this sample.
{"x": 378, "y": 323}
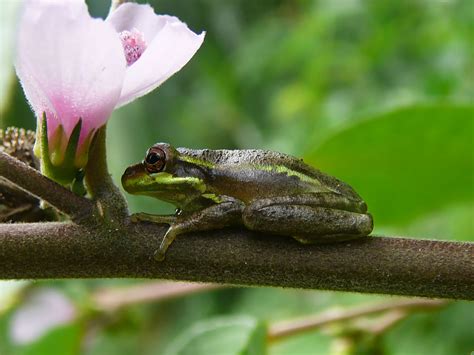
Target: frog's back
{"x": 281, "y": 169}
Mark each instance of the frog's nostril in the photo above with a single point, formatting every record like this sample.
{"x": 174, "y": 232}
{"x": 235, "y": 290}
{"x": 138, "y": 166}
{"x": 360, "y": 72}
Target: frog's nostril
{"x": 127, "y": 178}
{"x": 133, "y": 170}
{"x": 128, "y": 172}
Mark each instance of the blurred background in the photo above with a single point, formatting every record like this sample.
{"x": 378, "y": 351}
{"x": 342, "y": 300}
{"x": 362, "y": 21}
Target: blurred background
{"x": 377, "y": 93}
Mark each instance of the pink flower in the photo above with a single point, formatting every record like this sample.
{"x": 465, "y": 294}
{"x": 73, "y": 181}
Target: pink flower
{"x": 73, "y": 67}
{"x": 39, "y": 313}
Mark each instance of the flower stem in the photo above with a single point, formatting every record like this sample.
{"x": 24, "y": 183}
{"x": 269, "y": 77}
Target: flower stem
{"x": 100, "y": 184}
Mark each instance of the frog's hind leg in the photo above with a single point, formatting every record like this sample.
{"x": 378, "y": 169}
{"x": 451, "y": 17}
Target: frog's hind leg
{"x": 310, "y": 218}
{"x": 224, "y": 214}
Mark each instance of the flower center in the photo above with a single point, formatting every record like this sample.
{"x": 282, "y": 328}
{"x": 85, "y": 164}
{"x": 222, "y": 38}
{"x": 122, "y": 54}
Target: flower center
{"x": 133, "y": 45}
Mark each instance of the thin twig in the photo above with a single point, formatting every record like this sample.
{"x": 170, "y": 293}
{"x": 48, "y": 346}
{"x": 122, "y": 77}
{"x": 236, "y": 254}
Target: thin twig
{"x": 35, "y": 183}
{"x": 347, "y": 337}
{"x": 388, "y": 320}
{"x": 285, "y": 329}
{"x": 111, "y": 299}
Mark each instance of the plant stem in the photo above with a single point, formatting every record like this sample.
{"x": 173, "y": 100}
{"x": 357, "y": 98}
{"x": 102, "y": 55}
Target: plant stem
{"x": 116, "y": 298}
{"x": 37, "y": 184}
{"x": 284, "y": 329}
{"x": 372, "y": 265}
{"x": 100, "y": 184}
{"x": 389, "y": 320}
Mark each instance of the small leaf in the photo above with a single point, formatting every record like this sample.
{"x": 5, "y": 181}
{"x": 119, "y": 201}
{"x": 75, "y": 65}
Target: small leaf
{"x": 227, "y": 335}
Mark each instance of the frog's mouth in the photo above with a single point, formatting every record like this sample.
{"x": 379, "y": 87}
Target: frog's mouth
{"x": 137, "y": 180}
{"x": 133, "y": 176}
{"x": 163, "y": 186}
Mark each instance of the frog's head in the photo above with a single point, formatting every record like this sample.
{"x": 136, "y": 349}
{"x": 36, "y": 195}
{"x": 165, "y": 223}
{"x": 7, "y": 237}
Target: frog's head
{"x": 160, "y": 175}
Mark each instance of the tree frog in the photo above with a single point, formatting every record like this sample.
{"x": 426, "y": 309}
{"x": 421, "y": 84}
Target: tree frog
{"x": 262, "y": 190}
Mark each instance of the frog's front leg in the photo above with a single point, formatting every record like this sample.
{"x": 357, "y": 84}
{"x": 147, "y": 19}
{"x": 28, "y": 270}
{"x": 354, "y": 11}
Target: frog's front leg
{"x": 225, "y": 214}
{"x": 310, "y": 218}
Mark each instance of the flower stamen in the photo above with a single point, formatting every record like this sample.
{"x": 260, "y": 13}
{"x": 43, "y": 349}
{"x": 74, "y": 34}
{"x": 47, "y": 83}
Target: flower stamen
{"x": 133, "y": 45}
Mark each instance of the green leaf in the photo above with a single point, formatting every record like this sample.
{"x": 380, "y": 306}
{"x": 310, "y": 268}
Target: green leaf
{"x": 405, "y": 163}
{"x": 447, "y": 331}
{"x": 61, "y": 341}
{"x": 9, "y": 292}
{"x": 453, "y": 222}
{"x": 64, "y": 340}
{"x": 8, "y": 28}
{"x": 224, "y": 335}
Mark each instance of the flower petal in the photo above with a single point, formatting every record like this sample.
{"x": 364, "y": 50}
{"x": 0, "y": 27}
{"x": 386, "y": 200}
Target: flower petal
{"x": 42, "y": 311}
{"x": 142, "y": 17}
{"x": 171, "y": 44}
{"x": 70, "y": 65}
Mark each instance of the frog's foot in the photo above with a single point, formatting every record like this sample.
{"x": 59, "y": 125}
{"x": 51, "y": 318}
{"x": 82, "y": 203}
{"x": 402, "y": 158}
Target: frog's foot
{"x": 225, "y": 214}
{"x": 160, "y": 219}
{"x": 168, "y": 238}
{"x": 326, "y": 239}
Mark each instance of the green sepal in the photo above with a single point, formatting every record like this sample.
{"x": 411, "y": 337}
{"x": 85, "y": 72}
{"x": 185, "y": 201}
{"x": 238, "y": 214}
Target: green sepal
{"x": 77, "y": 185}
{"x": 82, "y": 153}
{"x": 58, "y": 163}
{"x": 71, "y": 149}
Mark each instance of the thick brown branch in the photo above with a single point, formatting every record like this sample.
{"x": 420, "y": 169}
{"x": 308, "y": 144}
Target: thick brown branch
{"x": 32, "y": 181}
{"x": 373, "y": 265}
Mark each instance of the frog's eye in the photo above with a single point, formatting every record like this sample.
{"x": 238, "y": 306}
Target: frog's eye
{"x": 155, "y": 160}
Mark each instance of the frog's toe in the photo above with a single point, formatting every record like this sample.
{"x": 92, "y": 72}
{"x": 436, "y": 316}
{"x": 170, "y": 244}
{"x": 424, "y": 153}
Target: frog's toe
{"x": 326, "y": 239}
{"x": 159, "y": 255}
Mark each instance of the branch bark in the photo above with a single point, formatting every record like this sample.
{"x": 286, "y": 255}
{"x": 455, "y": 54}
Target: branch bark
{"x": 397, "y": 266}
{"x": 35, "y": 183}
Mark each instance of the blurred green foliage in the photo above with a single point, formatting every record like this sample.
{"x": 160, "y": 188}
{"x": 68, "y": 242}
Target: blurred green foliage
{"x": 378, "y": 93}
